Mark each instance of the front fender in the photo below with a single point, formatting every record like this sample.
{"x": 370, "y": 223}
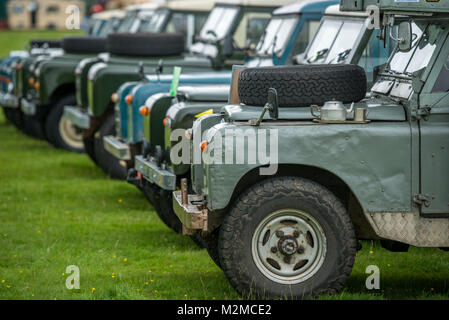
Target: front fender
{"x": 54, "y": 74}
{"x": 105, "y": 82}
{"x": 375, "y": 166}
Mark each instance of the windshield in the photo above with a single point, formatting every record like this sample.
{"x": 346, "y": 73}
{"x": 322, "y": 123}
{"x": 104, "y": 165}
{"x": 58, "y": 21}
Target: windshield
{"x": 423, "y": 46}
{"x": 96, "y": 26}
{"x": 127, "y": 22}
{"x": 108, "y": 27}
{"x": 334, "y": 41}
{"x": 218, "y": 23}
{"x": 155, "y": 22}
{"x": 345, "y": 41}
{"x": 276, "y": 36}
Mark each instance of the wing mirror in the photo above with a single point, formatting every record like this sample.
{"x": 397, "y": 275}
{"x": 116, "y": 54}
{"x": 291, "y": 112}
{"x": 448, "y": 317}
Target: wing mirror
{"x": 273, "y": 103}
{"x": 405, "y": 36}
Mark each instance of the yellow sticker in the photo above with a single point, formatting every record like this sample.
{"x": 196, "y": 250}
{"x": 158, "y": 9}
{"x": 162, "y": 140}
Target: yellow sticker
{"x": 199, "y": 115}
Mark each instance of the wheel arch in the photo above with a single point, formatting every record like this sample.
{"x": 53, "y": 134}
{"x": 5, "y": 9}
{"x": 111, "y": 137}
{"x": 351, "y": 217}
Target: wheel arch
{"x": 321, "y": 176}
{"x": 62, "y": 91}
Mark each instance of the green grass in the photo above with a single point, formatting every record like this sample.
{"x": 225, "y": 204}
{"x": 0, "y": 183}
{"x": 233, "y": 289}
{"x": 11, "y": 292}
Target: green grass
{"x": 58, "y": 209}
{"x": 15, "y": 40}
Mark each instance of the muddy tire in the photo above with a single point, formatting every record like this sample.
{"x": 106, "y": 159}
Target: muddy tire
{"x": 84, "y": 44}
{"x": 166, "y": 213}
{"x": 211, "y": 245}
{"x": 146, "y": 44}
{"x": 60, "y": 131}
{"x": 287, "y": 237}
{"x": 303, "y": 85}
{"x": 106, "y": 161}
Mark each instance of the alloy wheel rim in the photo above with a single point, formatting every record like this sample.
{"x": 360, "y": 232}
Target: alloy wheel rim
{"x": 70, "y": 134}
{"x": 289, "y": 246}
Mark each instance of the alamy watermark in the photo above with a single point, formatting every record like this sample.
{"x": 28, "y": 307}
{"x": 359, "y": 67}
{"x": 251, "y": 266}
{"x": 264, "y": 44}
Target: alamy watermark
{"x": 249, "y": 146}
{"x": 73, "y": 21}
{"x": 373, "y": 280}
{"x": 374, "y": 15}
{"x": 73, "y": 279}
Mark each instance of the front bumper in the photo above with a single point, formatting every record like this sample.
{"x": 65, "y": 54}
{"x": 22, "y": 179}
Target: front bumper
{"x": 190, "y": 212}
{"x": 117, "y": 148}
{"x": 8, "y": 100}
{"x": 80, "y": 118}
{"x": 151, "y": 172}
{"x": 27, "y": 107}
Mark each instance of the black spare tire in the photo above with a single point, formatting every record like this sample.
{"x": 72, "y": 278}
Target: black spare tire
{"x": 40, "y": 43}
{"x": 146, "y": 44}
{"x": 303, "y": 85}
{"x": 84, "y": 44}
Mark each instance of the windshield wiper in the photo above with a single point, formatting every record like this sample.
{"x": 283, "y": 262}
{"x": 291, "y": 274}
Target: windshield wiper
{"x": 342, "y": 56}
{"x": 318, "y": 55}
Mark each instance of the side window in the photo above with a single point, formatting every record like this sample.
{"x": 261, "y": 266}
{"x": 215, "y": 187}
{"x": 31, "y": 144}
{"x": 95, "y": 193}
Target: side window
{"x": 251, "y": 28}
{"x": 375, "y": 53}
{"x": 306, "y": 35}
{"x": 200, "y": 20}
{"x": 178, "y": 23}
{"x": 442, "y": 83}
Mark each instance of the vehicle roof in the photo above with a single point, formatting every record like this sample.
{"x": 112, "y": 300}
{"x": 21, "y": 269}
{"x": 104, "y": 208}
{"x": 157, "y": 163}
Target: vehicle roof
{"x": 305, "y": 6}
{"x": 256, "y": 3}
{"x": 335, "y": 11}
{"x": 408, "y": 7}
{"x": 190, "y": 5}
{"x": 108, "y": 14}
{"x": 143, "y": 6}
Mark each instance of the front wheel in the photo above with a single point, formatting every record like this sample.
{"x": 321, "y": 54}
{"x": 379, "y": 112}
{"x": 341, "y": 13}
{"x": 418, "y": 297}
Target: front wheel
{"x": 60, "y": 131}
{"x": 287, "y": 238}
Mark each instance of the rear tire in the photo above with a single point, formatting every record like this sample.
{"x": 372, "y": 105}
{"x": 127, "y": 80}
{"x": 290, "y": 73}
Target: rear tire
{"x": 60, "y": 131}
{"x": 287, "y": 237}
{"x": 211, "y": 244}
{"x": 110, "y": 164}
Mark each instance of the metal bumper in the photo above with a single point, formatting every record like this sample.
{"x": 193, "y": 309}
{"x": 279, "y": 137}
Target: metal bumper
{"x": 117, "y": 148}
{"x": 8, "y": 100}
{"x": 79, "y": 118}
{"x": 27, "y": 107}
{"x": 151, "y": 172}
{"x": 189, "y": 209}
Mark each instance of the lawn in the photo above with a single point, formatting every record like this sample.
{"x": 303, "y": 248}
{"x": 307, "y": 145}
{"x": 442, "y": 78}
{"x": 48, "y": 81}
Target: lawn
{"x": 16, "y": 40}
{"x": 58, "y": 209}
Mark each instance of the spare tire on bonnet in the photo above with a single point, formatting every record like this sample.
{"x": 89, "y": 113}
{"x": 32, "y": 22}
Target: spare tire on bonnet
{"x": 146, "y": 44}
{"x": 303, "y": 85}
{"x": 39, "y": 43}
{"x": 84, "y": 44}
